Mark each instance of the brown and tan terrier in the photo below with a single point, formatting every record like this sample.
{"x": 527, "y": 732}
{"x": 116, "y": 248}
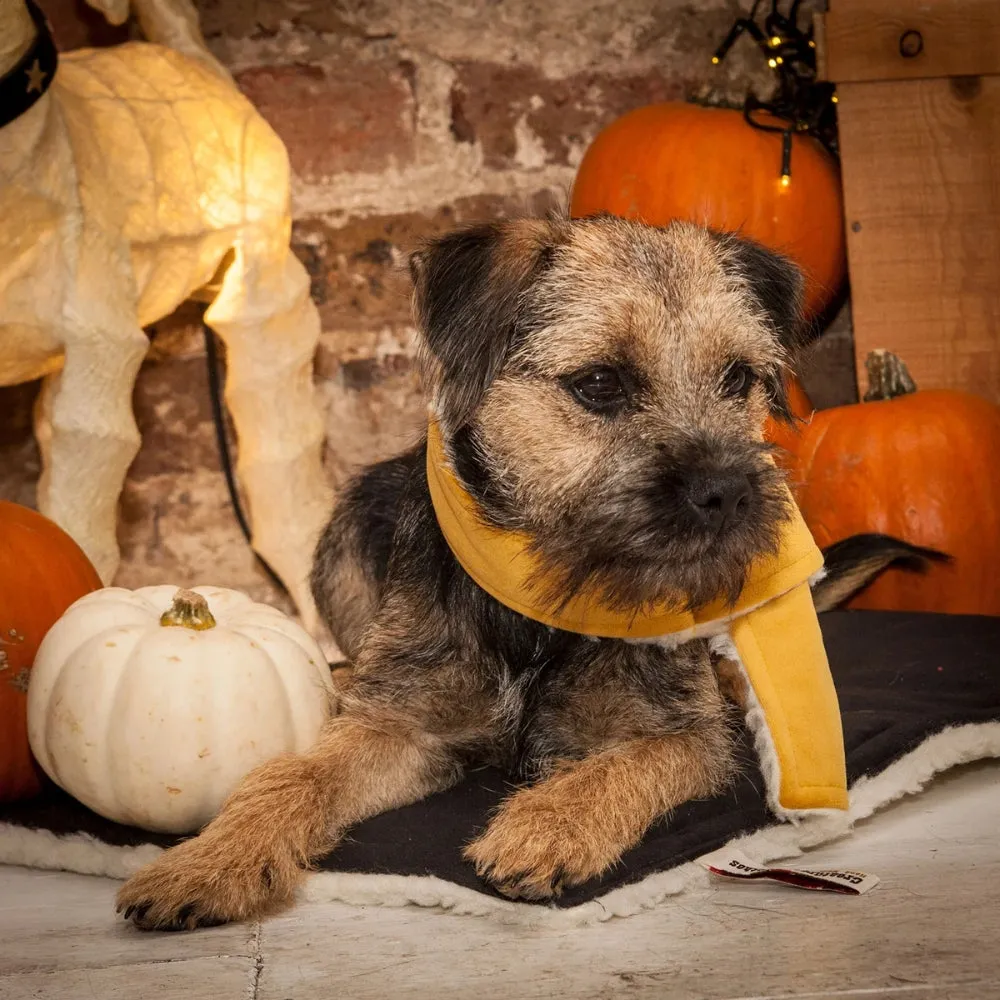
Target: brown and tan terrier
{"x": 601, "y": 386}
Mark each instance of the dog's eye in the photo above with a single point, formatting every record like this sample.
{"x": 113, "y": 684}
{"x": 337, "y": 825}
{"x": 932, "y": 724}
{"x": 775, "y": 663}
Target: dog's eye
{"x": 738, "y": 379}
{"x": 600, "y": 389}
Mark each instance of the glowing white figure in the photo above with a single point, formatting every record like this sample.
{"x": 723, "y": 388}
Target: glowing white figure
{"x": 141, "y": 178}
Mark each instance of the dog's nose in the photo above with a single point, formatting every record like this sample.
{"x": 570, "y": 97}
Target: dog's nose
{"x": 719, "y": 497}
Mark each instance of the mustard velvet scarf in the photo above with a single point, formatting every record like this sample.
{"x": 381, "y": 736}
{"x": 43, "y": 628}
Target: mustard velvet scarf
{"x": 772, "y": 631}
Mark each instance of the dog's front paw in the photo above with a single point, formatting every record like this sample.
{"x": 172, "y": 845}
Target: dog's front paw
{"x": 203, "y": 883}
{"x": 533, "y": 849}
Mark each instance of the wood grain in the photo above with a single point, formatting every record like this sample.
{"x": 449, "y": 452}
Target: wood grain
{"x": 223, "y": 977}
{"x": 63, "y": 922}
{"x": 926, "y": 933}
{"x": 862, "y": 39}
{"x": 916, "y": 937}
{"x": 921, "y": 172}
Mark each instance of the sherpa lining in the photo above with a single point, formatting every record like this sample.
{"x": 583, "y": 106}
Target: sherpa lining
{"x": 908, "y": 776}
{"x": 920, "y": 695}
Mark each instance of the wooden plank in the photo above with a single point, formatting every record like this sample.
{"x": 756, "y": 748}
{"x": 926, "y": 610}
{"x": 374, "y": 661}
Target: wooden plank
{"x": 921, "y": 173}
{"x": 867, "y": 39}
{"x": 919, "y": 936}
{"x": 59, "y": 921}
{"x": 924, "y": 934}
{"x": 218, "y": 978}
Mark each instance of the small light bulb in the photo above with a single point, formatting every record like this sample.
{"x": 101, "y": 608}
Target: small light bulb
{"x": 835, "y": 99}
{"x": 715, "y": 60}
{"x": 772, "y": 63}
{"x": 775, "y": 41}
{"x": 778, "y": 60}
{"x": 785, "y": 180}
{"x": 812, "y": 44}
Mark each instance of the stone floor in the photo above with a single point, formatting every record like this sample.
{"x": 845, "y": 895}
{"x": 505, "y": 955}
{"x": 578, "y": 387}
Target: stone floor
{"x": 930, "y": 931}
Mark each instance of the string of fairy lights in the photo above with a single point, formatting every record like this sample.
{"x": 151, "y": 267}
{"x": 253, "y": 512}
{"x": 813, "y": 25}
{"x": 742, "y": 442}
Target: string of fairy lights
{"x": 807, "y": 105}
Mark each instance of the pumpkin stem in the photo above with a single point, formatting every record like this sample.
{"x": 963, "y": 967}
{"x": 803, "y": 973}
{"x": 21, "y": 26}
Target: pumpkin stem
{"x": 888, "y": 377}
{"x": 189, "y": 610}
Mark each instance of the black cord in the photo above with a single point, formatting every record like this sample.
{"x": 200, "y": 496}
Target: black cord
{"x": 225, "y": 455}
{"x": 802, "y": 103}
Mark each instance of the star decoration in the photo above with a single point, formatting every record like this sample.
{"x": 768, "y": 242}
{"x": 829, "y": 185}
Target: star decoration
{"x": 36, "y": 77}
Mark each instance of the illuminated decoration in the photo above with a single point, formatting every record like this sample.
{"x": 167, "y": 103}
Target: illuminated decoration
{"x": 801, "y": 101}
{"x": 131, "y": 179}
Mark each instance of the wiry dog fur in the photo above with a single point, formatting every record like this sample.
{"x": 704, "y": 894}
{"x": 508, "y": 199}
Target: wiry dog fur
{"x": 647, "y": 481}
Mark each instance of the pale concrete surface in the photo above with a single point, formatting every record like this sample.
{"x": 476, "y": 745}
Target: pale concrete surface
{"x": 930, "y": 931}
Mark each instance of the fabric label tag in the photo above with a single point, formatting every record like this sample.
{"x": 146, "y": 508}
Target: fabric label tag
{"x": 734, "y": 864}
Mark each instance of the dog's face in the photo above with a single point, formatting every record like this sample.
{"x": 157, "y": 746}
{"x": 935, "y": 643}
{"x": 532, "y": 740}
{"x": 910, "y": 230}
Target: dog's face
{"x": 602, "y": 385}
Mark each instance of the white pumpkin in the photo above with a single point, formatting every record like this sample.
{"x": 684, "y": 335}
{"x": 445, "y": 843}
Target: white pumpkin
{"x": 149, "y": 705}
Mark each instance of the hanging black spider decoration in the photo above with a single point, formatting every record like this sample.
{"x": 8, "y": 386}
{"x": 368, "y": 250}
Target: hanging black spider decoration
{"x": 808, "y": 105}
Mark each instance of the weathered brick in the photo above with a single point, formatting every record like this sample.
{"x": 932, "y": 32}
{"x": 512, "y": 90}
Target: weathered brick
{"x": 359, "y": 278}
{"x": 363, "y": 373}
{"x": 262, "y": 18}
{"x": 179, "y": 336}
{"x": 370, "y": 423}
{"x": 16, "y": 406}
{"x": 348, "y": 117}
{"x": 180, "y": 529}
{"x": 693, "y": 32}
{"x": 19, "y": 458}
{"x": 827, "y": 366}
{"x": 522, "y": 119}
{"x": 174, "y": 415}
{"x": 365, "y": 369}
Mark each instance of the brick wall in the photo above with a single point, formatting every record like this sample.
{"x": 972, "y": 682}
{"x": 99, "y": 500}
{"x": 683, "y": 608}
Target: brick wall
{"x": 402, "y": 118}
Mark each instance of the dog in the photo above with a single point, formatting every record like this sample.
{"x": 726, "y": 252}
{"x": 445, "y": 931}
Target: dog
{"x": 600, "y": 386}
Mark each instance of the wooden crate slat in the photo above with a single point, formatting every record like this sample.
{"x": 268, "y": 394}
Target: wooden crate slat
{"x": 921, "y": 170}
{"x": 862, "y": 39}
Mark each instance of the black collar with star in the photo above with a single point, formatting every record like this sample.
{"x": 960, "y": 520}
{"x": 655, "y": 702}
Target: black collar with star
{"x": 25, "y": 83}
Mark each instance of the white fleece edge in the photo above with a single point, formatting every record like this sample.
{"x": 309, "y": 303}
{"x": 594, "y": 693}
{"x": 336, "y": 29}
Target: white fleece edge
{"x": 767, "y": 754}
{"x": 907, "y": 776}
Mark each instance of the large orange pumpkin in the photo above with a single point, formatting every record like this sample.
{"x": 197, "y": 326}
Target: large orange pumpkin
{"x": 707, "y": 165}
{"x": 923, "y": 466}
{"x": 42, "y": 572}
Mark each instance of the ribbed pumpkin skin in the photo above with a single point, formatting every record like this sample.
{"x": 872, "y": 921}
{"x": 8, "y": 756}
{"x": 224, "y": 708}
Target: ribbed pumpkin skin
{"x": 42, "y": 572}
{"x": 924, "y": 467}
{"x": 681, "y": 161}
{"x": 153, "y": 725}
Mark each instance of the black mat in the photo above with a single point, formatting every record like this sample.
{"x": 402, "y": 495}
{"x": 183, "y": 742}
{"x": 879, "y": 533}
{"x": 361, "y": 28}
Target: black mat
{"x": 900, "y": 677}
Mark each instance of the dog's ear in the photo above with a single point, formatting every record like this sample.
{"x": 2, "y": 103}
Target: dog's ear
{"x": 472, "y": 306}
{"x": 777, "y": 286}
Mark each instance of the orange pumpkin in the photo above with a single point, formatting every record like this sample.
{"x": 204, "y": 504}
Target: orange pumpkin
{"x": 920, "y": 465}
{"x": 42, "y": 572}
{"x": 707, "y": 165}
{"x": 788, "y": 435}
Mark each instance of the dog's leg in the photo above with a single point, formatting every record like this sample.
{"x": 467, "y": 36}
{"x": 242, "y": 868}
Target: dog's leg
{"x": 86, "y": 432}
{"x": 733, "y": 684}
{"x": 270, "y": 327}
{"x": 283, "y": 815}
{"x": 575, "y": 825}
